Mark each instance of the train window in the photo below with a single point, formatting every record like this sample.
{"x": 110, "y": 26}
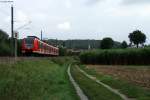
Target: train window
{"x": 29, "y": 40}
{"x": 41, "y": 46}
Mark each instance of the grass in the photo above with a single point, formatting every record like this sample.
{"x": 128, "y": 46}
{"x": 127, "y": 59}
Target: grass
{"x": 93, "y": 90}
{"x": 129, "y": 89}
{"x": 36, "y": 80}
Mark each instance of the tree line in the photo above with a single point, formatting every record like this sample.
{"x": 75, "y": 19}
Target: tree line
{"x": 109, "y": 56}
{"x": 136, "y": 38}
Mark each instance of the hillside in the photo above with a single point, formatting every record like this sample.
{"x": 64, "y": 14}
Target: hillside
{"x": 79, "y": 44}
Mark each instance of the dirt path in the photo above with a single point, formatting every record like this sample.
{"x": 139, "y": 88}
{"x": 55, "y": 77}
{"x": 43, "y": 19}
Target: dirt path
{"x": 124, "y": 97}
{"x": 76, "y": 86}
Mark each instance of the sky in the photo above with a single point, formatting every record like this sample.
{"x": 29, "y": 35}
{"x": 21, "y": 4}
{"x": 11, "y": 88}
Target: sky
{"x": 78, "y": 19}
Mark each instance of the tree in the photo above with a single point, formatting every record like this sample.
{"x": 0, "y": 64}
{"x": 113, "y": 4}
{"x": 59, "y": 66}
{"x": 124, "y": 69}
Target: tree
{"x": 3, "y": 35}
{"x": 62, "y": 51}
{"x": 124, "y": 44}
{"x": 107, "y": 43}
{"x": 137, "y": 37}
{"x": 4, "y": 44}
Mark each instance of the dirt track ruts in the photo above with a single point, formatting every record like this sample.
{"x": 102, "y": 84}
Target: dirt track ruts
{"x": 76, "y": 86}
{"x": 124, "y": 97}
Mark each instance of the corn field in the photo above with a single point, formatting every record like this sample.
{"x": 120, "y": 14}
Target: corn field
{"x": 117, "y": 57}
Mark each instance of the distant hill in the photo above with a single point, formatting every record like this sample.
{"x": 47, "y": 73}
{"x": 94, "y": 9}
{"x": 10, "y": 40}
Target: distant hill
{"x": 79, "y": 44}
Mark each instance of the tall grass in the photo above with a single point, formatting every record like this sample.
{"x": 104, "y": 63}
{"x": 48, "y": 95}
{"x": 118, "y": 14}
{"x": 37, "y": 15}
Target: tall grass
{"x": 35, "y": 80}
{"x": 117, "y": 57}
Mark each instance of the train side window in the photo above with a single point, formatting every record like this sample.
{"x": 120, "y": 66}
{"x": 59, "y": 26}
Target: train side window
{"x": 41, "y": 45}
{"x": 45, "y": 47}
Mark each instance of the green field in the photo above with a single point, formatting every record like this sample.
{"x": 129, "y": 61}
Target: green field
{"x": 93, "y": 90}
{"x": 47, "y": 79}
{"x": 40, "y": 79}
{"x": 131, "y": 90}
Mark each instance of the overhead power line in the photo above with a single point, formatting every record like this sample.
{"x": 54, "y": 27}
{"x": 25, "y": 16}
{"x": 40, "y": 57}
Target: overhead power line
{"x": 23, "y": 25}
{"x": 7, "y": 1}
{"x": 6, "y": 13}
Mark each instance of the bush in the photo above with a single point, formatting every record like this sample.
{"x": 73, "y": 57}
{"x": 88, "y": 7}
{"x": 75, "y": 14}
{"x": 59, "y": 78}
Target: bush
{"x": 117, "y": 57}
{"x": 5, "y": 49}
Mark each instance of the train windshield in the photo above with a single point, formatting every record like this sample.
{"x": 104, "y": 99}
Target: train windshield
{"x": 29, "y": 40}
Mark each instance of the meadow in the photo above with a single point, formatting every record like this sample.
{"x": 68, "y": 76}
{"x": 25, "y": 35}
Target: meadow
{"x": 93, "y": 90}
{"x": 38, "y": 79}
{"x": 47, "y": 79}
{"x": 122, "y": 79}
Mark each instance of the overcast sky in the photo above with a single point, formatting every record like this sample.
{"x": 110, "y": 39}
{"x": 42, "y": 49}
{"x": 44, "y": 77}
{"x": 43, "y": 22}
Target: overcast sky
{"x": 78, "y": 19}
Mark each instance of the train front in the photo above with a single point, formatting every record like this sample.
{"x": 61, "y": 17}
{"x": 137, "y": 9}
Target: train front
{"x": 28, "y": 45}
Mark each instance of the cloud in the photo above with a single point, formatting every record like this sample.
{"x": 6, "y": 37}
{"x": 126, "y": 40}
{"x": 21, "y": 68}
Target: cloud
{"x": 21, "y": 17}
{"x": 129, "y": 2}
{"x": 92, "y": 2}
{"x": 7, "y": 19}
{"x": 64, "y": 26}
{"x": 68, "y": 4}
{"x": 129, "y": 12}
{"x": 39, "y": 16}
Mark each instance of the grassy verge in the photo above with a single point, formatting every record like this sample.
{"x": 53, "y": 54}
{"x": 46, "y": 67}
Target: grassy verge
{"x": 129, "y": 89}
{"x": 36, "y": 80}
{"x": 93, "y": 90}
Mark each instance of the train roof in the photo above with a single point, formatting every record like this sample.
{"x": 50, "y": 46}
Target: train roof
{"x": 33, "y": 37}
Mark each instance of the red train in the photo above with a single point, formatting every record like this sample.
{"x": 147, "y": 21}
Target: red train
{"x": 33, "y": 45}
